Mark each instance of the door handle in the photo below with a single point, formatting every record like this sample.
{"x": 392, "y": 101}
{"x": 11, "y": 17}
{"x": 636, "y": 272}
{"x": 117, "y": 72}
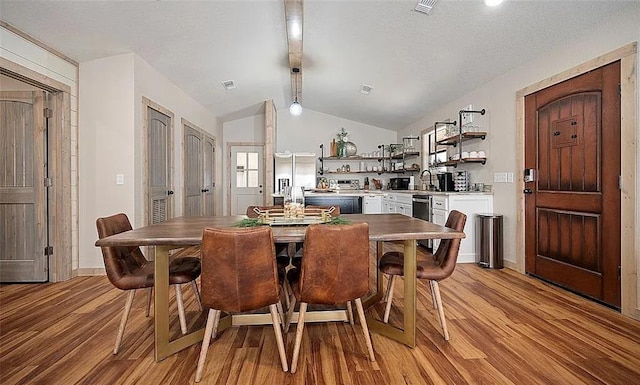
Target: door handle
{"x": 528, "y": 191}
{"x": 205, "y": 190}
{"x": 170, "y": 192}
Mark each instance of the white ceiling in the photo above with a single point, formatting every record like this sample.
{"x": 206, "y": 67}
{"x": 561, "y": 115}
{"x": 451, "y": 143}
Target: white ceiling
{"x": 415, "y": 62}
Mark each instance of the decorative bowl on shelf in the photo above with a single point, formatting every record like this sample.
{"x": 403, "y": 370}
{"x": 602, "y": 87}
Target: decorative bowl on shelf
{"x": 351, "y": 148}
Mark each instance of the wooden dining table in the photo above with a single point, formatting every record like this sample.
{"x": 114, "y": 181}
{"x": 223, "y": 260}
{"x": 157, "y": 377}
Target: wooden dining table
{"x": 187, "y": 231}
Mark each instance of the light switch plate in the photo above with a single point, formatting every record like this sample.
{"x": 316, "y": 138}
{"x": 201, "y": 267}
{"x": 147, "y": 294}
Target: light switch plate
{"x": 119, "y": 179}
{"x": 510, "y": 177}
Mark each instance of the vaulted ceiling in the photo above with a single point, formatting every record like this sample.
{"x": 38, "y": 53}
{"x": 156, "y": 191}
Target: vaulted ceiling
{"x": 414, "y": 62}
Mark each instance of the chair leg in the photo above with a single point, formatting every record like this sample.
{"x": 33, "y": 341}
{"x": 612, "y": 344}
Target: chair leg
{"x": 183, "y": 320}
{"x": 385, "y": 298}
{"x": 281, "y": 319}
{"x": 215, "y": 324}
{"x": 365, "y": 329}
{"x": 194, "y": 286}
{"x": 299, "y": 330}
{"x": 443, "y": 321}
{"x": 149, "y": 300}
{"x": 387, "y": 309}
{"x": 290, "y": 314}
{"x": 433, "y": 295}
{"x": 205, "y": 343}
{"x": 287, "y": 293}
{"x": 123, "y": 321}
{"x": 278, "y": 332}
{"x": 350, "y": 313}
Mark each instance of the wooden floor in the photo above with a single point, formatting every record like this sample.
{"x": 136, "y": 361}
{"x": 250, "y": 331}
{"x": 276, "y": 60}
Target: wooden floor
{"x": 505, "y": 328}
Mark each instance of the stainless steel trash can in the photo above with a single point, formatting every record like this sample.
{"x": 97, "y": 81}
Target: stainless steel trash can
{"x": 489, "y": 246}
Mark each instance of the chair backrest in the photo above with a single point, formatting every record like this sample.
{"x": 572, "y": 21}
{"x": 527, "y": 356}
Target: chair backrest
{"x": 119, "y": 261}
{"x": 252, "y": 214}
{"x": 239, "y": 270}
{"x": 447, "y": 254}
{"x": 335, "y": 263}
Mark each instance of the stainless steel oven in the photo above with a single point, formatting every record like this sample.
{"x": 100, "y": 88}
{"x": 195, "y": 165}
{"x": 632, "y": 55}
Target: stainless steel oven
{"x": 421, "y": 206}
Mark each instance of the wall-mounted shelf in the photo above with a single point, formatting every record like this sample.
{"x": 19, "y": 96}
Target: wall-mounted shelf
{"x": 454, "y": 140}
{"x": 455, "y": 163}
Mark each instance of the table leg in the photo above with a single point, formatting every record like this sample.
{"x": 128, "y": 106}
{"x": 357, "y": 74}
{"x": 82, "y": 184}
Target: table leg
{"x": 407, "y": 335}
{"x": 164, "y": 347}
{"x": 377, "y": 296}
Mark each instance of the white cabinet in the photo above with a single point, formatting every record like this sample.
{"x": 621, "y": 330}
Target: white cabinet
{"x": 372, "y": 204}
{"x": 469, "y": 204}
{"x": 397, "y": 203}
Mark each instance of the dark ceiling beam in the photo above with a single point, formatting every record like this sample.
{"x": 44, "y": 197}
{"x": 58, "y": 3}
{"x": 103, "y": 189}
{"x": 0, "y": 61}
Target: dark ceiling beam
{"x": 293, "y": 11}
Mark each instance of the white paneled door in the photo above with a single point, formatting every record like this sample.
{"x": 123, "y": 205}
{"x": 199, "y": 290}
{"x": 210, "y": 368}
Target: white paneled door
{"x": 247, "y": 177}
{"x": 22, "y": 187}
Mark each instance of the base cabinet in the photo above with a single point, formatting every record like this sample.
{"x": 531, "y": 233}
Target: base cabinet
{"x": 348, "y": 204}
{"x": 469, "y": 204}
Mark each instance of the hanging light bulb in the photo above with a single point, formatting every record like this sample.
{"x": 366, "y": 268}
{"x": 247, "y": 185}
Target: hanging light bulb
{"x": 295, "y": 109}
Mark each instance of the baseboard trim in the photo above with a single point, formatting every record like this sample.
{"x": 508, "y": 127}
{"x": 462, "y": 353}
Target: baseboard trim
{"x": 91, "y": 271}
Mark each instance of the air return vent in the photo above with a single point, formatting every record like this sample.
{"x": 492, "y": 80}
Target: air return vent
{"x": 365, "y": 89}
{"x": 229, "y": 84}
{"x": 425, "y": 6}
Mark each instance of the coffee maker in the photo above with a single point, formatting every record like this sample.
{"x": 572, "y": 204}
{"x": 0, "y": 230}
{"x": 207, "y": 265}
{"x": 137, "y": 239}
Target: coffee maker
{"x": 445, "y": 181}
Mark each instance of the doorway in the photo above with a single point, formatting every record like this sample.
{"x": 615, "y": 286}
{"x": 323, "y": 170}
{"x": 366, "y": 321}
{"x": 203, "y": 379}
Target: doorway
{"x": 159, "y": 191}
{"x": 199, "y": 171}
{"x": 573, "y": 202}
{"x": 23, "y": 203}
{"x": 246, "y": 177}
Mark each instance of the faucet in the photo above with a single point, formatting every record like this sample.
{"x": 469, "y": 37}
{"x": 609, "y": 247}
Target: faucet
{"x": 430, "y": 176}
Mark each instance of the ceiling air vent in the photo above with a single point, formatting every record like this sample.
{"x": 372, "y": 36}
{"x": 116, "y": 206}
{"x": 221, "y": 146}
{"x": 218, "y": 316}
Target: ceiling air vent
{"x": 229, "y": 84}
{"x": 365, "y": 89}
{"x": 425, "y": 6}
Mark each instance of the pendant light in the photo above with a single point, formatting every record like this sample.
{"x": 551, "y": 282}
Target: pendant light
{"x": 295, "y": 109}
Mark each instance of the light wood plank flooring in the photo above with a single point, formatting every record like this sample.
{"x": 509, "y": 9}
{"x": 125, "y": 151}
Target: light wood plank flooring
{"x": 505, "y": 328}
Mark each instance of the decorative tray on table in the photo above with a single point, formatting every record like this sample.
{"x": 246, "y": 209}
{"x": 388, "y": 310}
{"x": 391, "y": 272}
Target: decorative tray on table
{"x": 294, "y": 215}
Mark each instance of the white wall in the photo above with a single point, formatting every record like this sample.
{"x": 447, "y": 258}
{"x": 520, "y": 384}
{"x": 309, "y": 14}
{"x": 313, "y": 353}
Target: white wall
{"x": 151, "y": 84}
{"x": 498, "y": 97}
{"x": 106, "y": 138}
{"x": 306, "y": 132}
{"x": 111, "y": 124}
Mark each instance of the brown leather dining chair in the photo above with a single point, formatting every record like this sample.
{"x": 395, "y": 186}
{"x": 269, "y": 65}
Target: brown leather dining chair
{"x": 334, "y": 271}
{"x": 438, "y": 266}
{"x": 239, "y": 274}
{"x": 128, "y": 269}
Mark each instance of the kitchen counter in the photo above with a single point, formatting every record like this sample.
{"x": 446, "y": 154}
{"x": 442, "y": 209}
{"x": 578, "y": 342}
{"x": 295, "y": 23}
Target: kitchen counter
{"x": 383, "y": 192}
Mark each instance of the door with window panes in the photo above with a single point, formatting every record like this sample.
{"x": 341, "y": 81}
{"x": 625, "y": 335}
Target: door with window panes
{"x": 247, "y": 178}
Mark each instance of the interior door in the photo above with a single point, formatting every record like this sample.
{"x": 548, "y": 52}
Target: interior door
{"x": 22, "y": 192}
{"x": 209, "y": 167}
{"x": 193, "y": 164}
{"x": 247, "y": 178}
{"x": 159, "y": 166}
{"x": 572, "y": 218}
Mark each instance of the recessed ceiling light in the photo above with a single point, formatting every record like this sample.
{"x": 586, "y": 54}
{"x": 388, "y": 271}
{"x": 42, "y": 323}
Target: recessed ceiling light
{"x": 229, "y": 84}
{"x": 365, "y": 89}
{"x": 492, "y": 3}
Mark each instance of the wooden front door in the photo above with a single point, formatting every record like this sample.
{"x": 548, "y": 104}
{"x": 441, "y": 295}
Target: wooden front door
{"x": 572, "y": 218}
{"x": 159, "y": 166}
{"x": 23, "y": 222}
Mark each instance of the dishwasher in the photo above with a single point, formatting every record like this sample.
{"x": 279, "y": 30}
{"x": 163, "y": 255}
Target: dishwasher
{"x": 421, "y": 205}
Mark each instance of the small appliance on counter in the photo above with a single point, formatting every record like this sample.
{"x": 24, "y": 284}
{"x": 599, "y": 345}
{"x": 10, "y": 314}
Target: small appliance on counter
{"x": 445, "y": 181}
{"x": 399, "y": 183}
{"x": 461, "y": 181}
